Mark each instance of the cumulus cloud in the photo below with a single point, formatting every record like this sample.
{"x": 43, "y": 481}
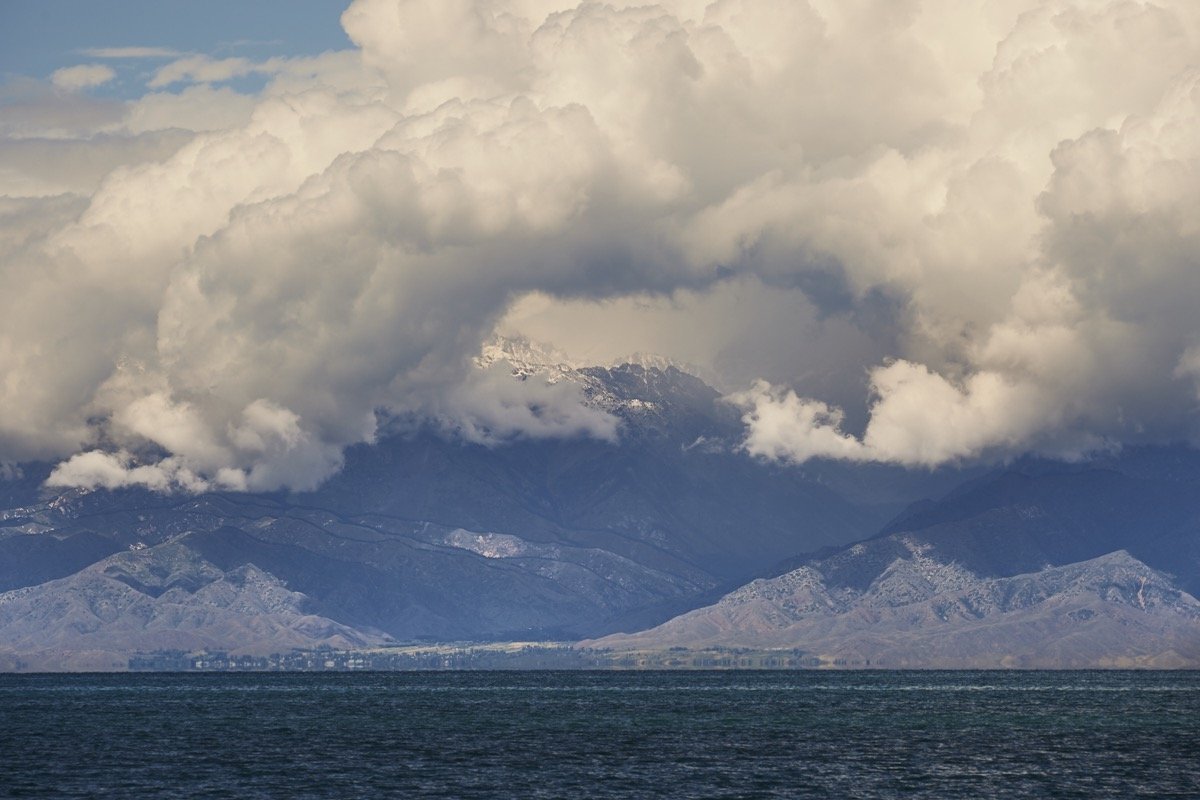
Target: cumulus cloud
{"x": 34, "y": 108}
{"x": 1049, "y": 281}
{"x": 132, "y": 52}
{"x": 39, "y": 166}
{"x": 195, "y": 109}
{"x": 83, "y": 76}
{"x": 918, "y": 417}
{"x": 202, "y": 69}
{"x": 993, "y": 204}
{"x": 784, "y": 426}
{"x": 731, "y": 334}
{"x": 491, "y": 407}
{"x": 95, "y": 469}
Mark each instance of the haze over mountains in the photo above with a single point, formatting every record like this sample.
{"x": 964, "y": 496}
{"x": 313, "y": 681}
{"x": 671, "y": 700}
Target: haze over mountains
{"x": 425, "y": 537}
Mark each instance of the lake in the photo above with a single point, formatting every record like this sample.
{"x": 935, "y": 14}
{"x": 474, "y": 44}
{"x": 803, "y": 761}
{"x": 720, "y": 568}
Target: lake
{"x": 602, "y": 734}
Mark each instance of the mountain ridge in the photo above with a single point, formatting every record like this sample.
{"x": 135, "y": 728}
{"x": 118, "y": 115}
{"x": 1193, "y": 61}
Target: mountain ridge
{"x": 1111, "y": 611}
{"x": 1016, "y": 531}
{"x": 423, "y": 538}
{"x": 161, "y": 597}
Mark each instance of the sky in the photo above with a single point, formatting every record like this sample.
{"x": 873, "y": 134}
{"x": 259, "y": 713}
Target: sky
{"x": 236, "y": 238}
{"x": 38, "y": 37}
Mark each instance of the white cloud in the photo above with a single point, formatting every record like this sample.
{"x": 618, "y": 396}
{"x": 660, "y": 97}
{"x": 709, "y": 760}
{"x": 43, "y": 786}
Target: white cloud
{"x": 38, "y": 109}
{"x": 490, "y": 407}
{"x": 202, "y": 69}
{"x": 39, "y": 166}
{"x": 98, "y": 470}
{"x": 781, "y": 425}
{"x": 83, "y": 76}
{"x": 131, "y": 52}
{"x": 992, "y": 203}
{"x": 918, "y": 418}
{"x": 198, "y": 108}
{"x": 730, "y": 334}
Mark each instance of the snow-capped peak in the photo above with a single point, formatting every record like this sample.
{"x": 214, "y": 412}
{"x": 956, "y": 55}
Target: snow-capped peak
{"x": 524, "y": 356}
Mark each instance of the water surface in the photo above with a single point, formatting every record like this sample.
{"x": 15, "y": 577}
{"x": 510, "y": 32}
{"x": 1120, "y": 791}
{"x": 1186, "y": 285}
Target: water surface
{"x": 602, "y": 734}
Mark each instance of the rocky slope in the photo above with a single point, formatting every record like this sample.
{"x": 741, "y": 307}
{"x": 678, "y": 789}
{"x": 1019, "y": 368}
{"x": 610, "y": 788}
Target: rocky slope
{"x": 1039, "y": 564}
{"x": 162, "y": 597}
{"x": 1112, "y": 611}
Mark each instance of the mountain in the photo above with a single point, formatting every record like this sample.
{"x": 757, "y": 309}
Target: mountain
{"x": 1111, "y": 611}
{"x": 1040, "y": 564}
{"x": 425, "y": 537}
{"x": 1040, "y": 513}
{"x": 162, "y": 597}
{"x": 422, "y": 536}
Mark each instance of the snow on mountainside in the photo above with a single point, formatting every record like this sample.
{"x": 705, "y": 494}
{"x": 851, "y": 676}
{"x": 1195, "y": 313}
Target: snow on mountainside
{"x": 527, "y": 357}
{"x": 524, "y": 357}
{"x": 532, "y": 361}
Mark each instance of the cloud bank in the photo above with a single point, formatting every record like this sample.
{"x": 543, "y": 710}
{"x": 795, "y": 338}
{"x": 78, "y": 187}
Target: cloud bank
{"x": 1001, "y": 196}
{"x": 83, "y": 76}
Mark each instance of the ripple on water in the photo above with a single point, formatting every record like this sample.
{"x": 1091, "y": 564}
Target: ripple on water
{"x": 581, "y": 734}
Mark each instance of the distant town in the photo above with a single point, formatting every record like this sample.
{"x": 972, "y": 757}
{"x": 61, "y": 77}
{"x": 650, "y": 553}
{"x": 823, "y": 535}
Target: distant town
{"x": 487, "y": 656}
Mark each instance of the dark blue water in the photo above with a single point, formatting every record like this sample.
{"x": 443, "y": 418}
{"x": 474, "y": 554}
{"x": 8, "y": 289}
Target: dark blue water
{"x": 576, "y": 734}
